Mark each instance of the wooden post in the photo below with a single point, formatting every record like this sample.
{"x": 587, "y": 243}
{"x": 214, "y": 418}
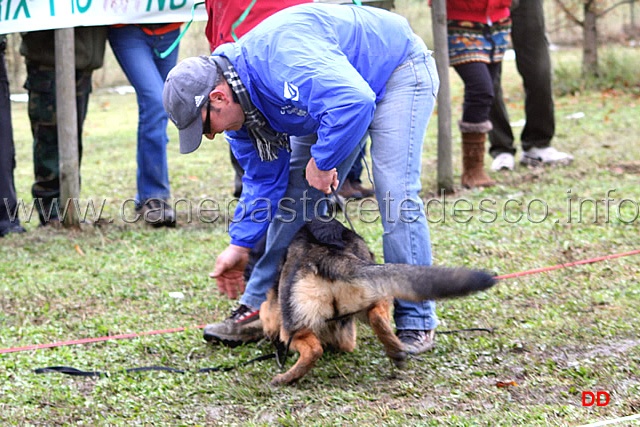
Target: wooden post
{"x": 441, "y": 55}
{"x": 67, "y": 121}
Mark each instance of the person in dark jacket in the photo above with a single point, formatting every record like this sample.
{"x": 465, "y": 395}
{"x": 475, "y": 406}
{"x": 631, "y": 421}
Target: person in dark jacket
{"x": 531, "y": 46}
{"x": 38, "y": 49}
{"x": 9, "y": 220}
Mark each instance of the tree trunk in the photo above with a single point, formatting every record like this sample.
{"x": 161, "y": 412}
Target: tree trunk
{"x": 441, "y": 55}
{"x": 590, "y": 41}
{"x": 67, "y": 125}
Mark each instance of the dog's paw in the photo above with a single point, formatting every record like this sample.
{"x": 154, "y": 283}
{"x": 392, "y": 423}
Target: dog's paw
{"x": 399, "y": 359}
{"x": 281, "y": 379}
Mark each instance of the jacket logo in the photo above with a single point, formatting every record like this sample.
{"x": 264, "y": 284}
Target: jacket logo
{"x": 291, "y": 91}
{"x": 198, "y": 99}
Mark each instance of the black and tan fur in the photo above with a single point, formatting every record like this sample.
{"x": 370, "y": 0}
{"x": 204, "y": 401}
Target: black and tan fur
{"x": 329, "y": 277}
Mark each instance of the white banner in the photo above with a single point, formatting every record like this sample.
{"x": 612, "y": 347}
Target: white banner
{"x": 32, "y": 15}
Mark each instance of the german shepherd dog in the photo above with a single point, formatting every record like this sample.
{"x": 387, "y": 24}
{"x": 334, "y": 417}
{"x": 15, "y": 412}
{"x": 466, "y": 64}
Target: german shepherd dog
{"x": 329, "y": 277}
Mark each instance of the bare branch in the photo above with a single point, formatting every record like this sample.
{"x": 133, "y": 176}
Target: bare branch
{"x": 570, "y": 15}
{"x": 620, "y": 3}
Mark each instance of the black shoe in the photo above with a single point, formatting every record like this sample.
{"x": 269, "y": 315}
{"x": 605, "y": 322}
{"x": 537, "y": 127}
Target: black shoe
{"x": 242, "y": 327}
{"x": 417, "y": 341}
{"x": 13, "y": 228}
{"x": 157, "y": 213}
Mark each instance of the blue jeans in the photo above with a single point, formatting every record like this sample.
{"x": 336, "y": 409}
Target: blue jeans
{"x": 147, "y": 72}
{"x": 397, "y": 134}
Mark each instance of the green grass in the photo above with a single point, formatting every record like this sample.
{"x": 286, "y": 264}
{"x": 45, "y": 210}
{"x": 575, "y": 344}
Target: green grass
{"x": 618, "y": 70}
{"x": 555, "y": 335}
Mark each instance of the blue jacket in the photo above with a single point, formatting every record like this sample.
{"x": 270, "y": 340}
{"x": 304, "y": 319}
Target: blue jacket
{"x": 312, "y": 68}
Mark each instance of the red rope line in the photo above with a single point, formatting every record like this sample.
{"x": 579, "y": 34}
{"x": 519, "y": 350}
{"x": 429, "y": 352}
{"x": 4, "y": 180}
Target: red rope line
{"x": 568, "y": 264}
{"x": 169, "y": 331}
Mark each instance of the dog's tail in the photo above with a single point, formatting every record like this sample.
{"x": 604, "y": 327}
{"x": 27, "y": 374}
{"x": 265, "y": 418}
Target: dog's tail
{"x": 419, "y": 283}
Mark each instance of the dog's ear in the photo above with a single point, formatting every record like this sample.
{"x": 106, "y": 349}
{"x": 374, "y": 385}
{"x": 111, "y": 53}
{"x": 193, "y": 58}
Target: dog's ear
{"x": 327, "y": 231}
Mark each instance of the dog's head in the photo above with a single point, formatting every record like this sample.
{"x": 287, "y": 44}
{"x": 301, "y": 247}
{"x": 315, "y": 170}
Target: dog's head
{"x": 327, "y": 231}
{"x": 331, "y": 233}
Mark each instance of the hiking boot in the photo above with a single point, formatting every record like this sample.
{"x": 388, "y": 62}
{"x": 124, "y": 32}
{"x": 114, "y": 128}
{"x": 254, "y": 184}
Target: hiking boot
{"x": 242, "y": 327}
{"x": 157, "y": 213}
{"x": 545, "y": 156}
{"x": 417, "y": 341}
{"x": 503, "y": 161}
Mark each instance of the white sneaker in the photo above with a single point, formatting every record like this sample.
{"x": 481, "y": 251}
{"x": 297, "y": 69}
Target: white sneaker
{"x": 503, "y": 161}
{"x": 545, "y": 156}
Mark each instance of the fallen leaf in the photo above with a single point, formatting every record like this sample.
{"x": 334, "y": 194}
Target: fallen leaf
{"x": 79, "y": 250}
{"x": 502, "y": 384}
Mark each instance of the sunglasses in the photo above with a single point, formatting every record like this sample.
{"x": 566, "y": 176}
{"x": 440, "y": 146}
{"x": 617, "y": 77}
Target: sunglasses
{"x": 206, "y": 127}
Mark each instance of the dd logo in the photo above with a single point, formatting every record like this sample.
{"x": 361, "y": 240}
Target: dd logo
{"x": 599, "y": 398}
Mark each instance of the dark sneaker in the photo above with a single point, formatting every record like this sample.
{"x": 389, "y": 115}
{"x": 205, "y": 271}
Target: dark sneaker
{"x": 13, "y": 228}
{"x": 157, "y": 213}
{"x": 242, "y": 327}
{"x": 417, "y": 341}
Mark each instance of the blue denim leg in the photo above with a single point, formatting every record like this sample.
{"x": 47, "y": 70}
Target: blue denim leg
{"x": 146, "y": 72}
{"x": 397, "y": 135}
{"x": 300, "y": 203}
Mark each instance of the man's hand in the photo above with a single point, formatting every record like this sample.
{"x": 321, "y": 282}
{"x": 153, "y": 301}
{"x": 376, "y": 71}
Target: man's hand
{"x": 229, "y": 270}
{"x": 322, "y": 180}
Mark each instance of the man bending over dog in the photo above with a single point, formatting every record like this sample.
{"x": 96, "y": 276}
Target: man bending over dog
{"x": 298, "y": 93}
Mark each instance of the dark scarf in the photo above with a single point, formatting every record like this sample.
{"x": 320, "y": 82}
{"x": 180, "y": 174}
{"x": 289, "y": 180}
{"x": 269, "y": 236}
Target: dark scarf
{"x": 266, "y": 140}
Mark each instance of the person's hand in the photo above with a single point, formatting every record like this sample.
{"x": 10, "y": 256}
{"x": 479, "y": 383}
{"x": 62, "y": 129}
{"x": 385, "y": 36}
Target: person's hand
{"x": 322, "y": 180}
{"x": 229, "y": 270}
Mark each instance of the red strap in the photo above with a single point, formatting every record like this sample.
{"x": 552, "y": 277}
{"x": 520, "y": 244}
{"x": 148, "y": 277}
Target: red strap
{"x": 158, "y": 31}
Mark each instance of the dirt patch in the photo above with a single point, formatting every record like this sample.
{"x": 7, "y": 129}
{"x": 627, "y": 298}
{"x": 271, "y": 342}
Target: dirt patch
{"x": 605, "y": 349}
{"x": 626, "y": 167}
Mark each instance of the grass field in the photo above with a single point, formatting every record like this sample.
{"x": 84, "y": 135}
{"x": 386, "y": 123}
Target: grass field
{"x": 555, "y": 334}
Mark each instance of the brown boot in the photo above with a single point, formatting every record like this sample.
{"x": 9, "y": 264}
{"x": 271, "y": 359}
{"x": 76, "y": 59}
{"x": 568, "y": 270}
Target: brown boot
{"x": 355, "y": 190}
{"x": 348, "y": 191}
{"x": 474, "y": 136}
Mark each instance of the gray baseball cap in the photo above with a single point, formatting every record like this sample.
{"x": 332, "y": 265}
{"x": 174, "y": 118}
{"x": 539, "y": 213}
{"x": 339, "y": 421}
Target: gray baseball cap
{"x": 186, "y": 90}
